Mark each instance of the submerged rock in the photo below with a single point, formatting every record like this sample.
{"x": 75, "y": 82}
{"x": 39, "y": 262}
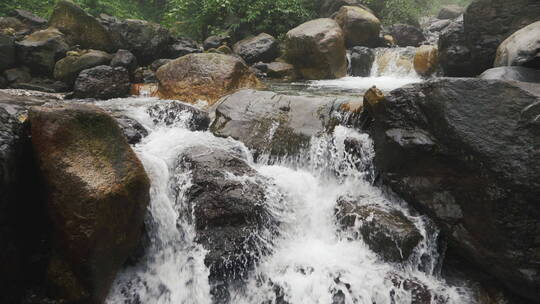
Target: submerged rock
{"x": 102, "y": 82}
{"x": 317, "y": 49}
{"x": 512, "y": 73}
{"x": 360, "y": 26}
{"x": 271, "y": 123}
{"x": 387, "y": 232}
{"x": 465, "y": 151}
{"x": 68, "y": 68}
{"x": 42, "y": 49}
{"x": 80, "y": 28}
{"x": 207, "y": 76}
{"x": 522, "y": 48}
{"x": 263, "y": 48}
{"x": 97, "y": 191}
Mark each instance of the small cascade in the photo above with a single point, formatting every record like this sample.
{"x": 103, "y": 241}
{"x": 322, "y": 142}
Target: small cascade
{"x": 394, "y": 62}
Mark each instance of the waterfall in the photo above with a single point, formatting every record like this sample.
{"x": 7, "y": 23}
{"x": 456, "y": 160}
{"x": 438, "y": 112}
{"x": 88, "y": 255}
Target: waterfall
{"x": 394, "y": 62}
{"x": 312, "y": 259}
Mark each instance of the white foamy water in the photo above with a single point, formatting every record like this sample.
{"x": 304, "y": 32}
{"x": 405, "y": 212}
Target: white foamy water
{"x": 311, "y": 260}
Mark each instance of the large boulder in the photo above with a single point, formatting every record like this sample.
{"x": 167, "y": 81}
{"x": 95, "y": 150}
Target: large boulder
{"x": 389, "y": 233}
{"x": 450, "y": 12}
{"x": 207, "y": 76}
{"x": 102, "y": 82}
{"x": 455, "y": 57}
{"x": 229, "y": 214}
{"x": 125, "y": 59}
{"x": 148, "y": 41}
{"x": 274, "y": 124}
{"x": 522, "y": 48}
{"x": 181, "y": 47}
{"x": 280, "y": 70}
{"x": 489, "y": 22}
{"x": 7, "y": 49}
{"x": 360, "y": 27}
{"x": 362, "y": 59}
{"x": 29, "y": 19}
{"x": 465, "y": 151}
{"x": 42, "y": 49}
{"x": 80, "y": 28}
{"x": 317, "y": 49}
{"x": 327, "y": 8}
{"x": 68, "y": 68}
{"x": 407, "y": 35}
{"x": 97, "y": 193}
{"x": 426, "y": 60}
{"x": 262, "y": 47}
{"x": 512, "y": 73}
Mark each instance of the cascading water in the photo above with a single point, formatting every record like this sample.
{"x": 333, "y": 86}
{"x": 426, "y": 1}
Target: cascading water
{"x": 311, "y": 258}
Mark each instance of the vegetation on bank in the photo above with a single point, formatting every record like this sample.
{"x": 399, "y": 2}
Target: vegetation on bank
{"x": 201, "y": 18}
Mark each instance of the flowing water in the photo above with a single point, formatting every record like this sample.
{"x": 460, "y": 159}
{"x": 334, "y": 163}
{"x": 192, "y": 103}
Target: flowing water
{"x": 311, "y": 258}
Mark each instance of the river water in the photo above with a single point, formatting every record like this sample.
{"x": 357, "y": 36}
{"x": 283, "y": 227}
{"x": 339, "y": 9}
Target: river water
{"x": 311, "y": 260}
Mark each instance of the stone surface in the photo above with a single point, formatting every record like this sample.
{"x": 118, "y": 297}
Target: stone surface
{"x": 7, "y": 49}
{"x": 146, "y": 40}
{"x": 261, "y": 48}
{"x": 426, "y": 60}
{"x": 42, "y": 49}
{"x": 387, "y": 232}
{"x": 465, "y": 151}
{"x": 360, "y": 26}
{"x": 512, "y": 73}
{"x": 144, "y": 75}
{"x": 207, "y": 76}
{"x": 159, "y": 63}
{"x": 125, "y": 59}
{"x": 450, "y": 12}
{"x": 362, "y": 59}
{"x": 317, "y": 49}
{"x": 327, "y": 8}
{"x": 213, "y": 42}
{"x": 17, "y": 75}
{"x": 97, "y": 193}
{"x": 28, "y": 18}
{"x": 181, "y": 47}
{"x": 68, "y": 68}
{"x": 80, "y": 28}
{"x": 407, "y": 35}
{"x": 132, "y": 129}
{"x": 102, "y": 82}
{"x": 522, "y": 48}
{"x": 273, "y": 124}
{"x": 455, "y": 57}
{"x": 489, "y": 22}
{"x": 280, "y": 70}
{"x": 179, "y": 114}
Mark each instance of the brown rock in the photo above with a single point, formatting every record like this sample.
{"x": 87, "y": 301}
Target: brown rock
{"x": 207, "y": 76}
{"x": 360, "y": 27}
{"x": 426, "y": 60}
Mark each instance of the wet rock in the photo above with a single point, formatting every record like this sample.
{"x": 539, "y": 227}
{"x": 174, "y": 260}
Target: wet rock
{"x": 132, "y": 129}
{"x": 360, "y": 26}
{"x": 144, "y": 75}
{"x": 362, "y": 59}
{"x": 43, "y": 85}
{"x": 464, "y": 151}
{"x": 455, "y": 57}
{"x": 147, "y": 41}
{"x": 125, "y": 59}
{"x": 81, "y": 28}
{"x": 261, "y": 48}
{"x": 522, "y": 48}
{"x": 420, "y": 293}
{"x": 317, "y": 49}
{"x": 280, "y": 70}
{"x": 41, "y": 50}
{"x": 407, "y": 35}
{"x": 181, "y": 114}
{"x": 387, "y": 232}
{"x": 329, "y": 7}
{"x": 17, "y": 75}
{"x": 489, "y": 22}
{"x": 98, "y": 192}
{"x": 181, "y": 47}
{"x": 205, "y": 76}
{"x": 102, "y": 82}
{"x": 450, "y": 12}
{"x": 227, "y": 197}
{"x": 159, "y": 63}
{"x": 213, "y": 42}
{"x": 426, "y": 60}
{"x": 7, "y": 49}
{"x": 273, "y": 124}
{"x": 512, "y": 73}
{"x": 68, "y": 68}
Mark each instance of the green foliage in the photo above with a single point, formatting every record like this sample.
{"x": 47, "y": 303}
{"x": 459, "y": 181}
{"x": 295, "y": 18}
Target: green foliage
{"x": 201, "y": 18}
